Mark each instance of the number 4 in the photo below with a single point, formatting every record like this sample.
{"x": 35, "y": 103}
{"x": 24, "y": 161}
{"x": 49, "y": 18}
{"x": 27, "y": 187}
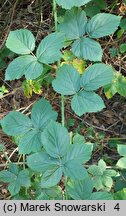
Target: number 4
{"x": 117, "y": 207}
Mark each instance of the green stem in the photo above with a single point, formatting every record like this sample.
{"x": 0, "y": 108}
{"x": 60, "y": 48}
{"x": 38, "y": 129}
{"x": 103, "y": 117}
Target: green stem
{"x": 55, "y": 14}
{"x": 62, "y": 110}
{"x": 58, "y": 64}
{"x": 65, "y": 185}
{"x": 24, "y": 161}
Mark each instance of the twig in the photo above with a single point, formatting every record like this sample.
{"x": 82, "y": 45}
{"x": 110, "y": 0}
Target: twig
{"x": 28, "y": 107}
{"x": 77, "y": 117}
{"x": 11, "y": 20}
{"x": 10, "y": 93}
{"x": 12, "y": 153}
{"x": 8, "y": 164}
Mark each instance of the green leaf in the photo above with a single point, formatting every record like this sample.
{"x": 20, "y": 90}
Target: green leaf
{"x": 42, "y": 113}
{"x": 121, "y": 85}
{"x": 100, "y": 4}
{"x": 100, "y": 25}
{"x": 16, "y": 123}
{"x": 120, "y": 195}
{"x": 71, "y": 3}
{"x": 120, "y": 34}
{"x": 101, "y": 177}
{"x": 51, "y": 177}
{"x": 101, "y": 196}
{"x": 16, "y": 179}
{"x": 98, "y": 184}
{"x": 74, "y": 170}
{"x": 24, "y": 65}
{"x": 110, "y": 90}
{"x": 102, "y": 165}
{"x": 80, "y": 190}
{"x": 107, "y": 181}
{"x": 23, "y": 178}
{"x": 88, "y": 49}
{"x": 78, "y": 139}
{"x": 86, "y": 102}
{"x": 122, "y": 48}
{"x": 6, "y": 176}
{"x": 55, "y": 139}
{"x": 74, "y": 23}
{"x": 120, "y": 181}
{"x": 80, "y": 152}
{"x": 68, "y": 56}
{"x": 2, "y": 64}
{"x": 123, "y": 24}
{"x": 13, "y": 168}
{"x": 30, "y": 142}
{"x": 110, "y": 172}
{"x": 21, "y": 41}
{"x": 67, "y": 81}
{"x": 53, "y": 193}
{"x": 122, "y": 163}
{"x": 121, "y": 150}
{"x": 94, "y": 7}
{"x": 96, "y": 75}
{"x": 95, "y": 169}
{"x": 13, "y": 188}
{"x": 41, "y": 161}
{"x": 48, "y": 50}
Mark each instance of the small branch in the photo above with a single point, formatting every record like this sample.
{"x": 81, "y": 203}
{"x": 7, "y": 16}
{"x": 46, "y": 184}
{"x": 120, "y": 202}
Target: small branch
{"x": 17, "y": 163}
{"x": 13, "y": 153}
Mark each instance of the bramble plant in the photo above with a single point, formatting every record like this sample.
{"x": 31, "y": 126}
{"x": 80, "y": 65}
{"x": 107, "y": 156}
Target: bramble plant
{"x": 53, "y": 165}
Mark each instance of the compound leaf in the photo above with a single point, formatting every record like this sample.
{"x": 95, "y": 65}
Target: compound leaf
{"x": 21, "y": 41}
{"x": 16, "y": 123}
{"x": 102, "y": 24}
{"x": 88, "y": 49}
{"x": 96, "y": 76}
{"x": 71, "y": 3}
{"x": 67, "y": 81}
{"x": 55, "y": 139}
{"x": 16, "y": 179}
{"x": 74, "y": 24}
{"x": 48, "y": 50}
{"x": 24, "y": 65}
{"x": 86, "y": 102}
